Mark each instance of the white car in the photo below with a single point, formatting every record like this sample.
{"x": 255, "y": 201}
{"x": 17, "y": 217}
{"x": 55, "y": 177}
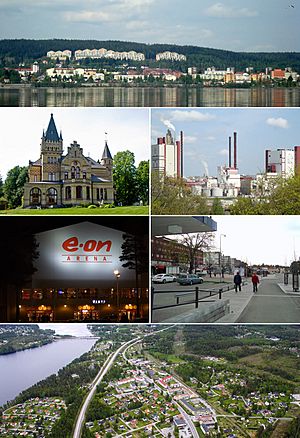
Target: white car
{"x": 164, "y": 278}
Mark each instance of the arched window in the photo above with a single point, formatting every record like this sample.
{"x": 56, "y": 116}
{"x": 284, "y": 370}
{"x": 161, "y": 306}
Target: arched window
{"x": 73, "y": 172}
{"x": 51, "y": 176}
{"x": 51, "y": 196}
{"x": 77, "y": 172}
{"x": 35, "y": 196}
{"x": 78, "y": 192}
{"x": 68, "y": 192}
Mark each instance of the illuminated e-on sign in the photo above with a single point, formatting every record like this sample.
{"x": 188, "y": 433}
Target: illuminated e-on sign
{"x": 86, "y": 252}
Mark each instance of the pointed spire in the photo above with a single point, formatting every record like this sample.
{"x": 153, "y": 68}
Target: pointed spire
{"x": 51, "y": 133}
{"x": 106, "y": 152}
{"x": 60, "y": 135}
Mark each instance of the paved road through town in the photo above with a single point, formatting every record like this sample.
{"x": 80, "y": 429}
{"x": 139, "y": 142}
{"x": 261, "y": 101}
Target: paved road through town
{"x": 271, "y": 305}
{"x": 105, "y": 368}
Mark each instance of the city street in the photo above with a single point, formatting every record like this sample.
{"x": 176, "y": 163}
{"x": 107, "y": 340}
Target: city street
{"x": 270, "y": 304}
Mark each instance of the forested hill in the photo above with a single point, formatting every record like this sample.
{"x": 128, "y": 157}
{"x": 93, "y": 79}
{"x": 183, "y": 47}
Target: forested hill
{"x": 19, "y": 50}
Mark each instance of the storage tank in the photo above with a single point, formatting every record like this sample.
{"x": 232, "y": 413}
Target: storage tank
{"x": 230, "y": 193}
{"x": 217, "y": 192}
{"x": 206, "y": 192}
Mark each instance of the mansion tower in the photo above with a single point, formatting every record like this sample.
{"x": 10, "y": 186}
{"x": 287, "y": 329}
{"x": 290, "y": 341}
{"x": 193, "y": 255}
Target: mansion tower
{"x": 72, "y": 179}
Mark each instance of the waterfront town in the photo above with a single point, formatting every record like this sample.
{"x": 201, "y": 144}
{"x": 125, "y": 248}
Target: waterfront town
{"x": 161, "y": 383}
{"x": 65, "y": 66}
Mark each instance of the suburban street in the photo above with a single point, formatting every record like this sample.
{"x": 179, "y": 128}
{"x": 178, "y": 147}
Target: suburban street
{"x": 270, "y": 304}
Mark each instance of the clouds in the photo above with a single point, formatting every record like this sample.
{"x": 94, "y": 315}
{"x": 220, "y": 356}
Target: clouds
{"x": 223, "y": 152}
{"x": 219, "y": 10}
{"x": 217, "y": 24}
{"x": 206, "y": 133}
{"x": 280, "y": 122}
{"x": 191, "y": 115}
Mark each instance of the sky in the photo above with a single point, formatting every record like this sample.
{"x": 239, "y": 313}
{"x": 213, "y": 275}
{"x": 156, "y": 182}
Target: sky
{"x": 21, "y": 131}
{"x": 260, "y": 239}
{"x": 239, "y": 25}
{"x": 67, "y": 329}
{"x": 207, "y": 131}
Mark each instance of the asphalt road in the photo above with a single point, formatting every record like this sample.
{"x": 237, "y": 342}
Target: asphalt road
{"x": 105, "y": 368}
{"x": 271, "y": 305}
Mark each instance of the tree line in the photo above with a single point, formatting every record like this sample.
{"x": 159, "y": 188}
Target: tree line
{"x": 131, "y": 183}
{"x": 20, "y": 50}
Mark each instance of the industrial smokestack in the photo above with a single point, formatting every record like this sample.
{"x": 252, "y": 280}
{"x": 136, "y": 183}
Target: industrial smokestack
{"x": 235, "y": 150}
{"x": 178, "y": 152}
{"x": 267, "y": 161}
{"x": 181, "y": 158}
{"x": 229, "y": 152}
{"x": 297, "y": 160}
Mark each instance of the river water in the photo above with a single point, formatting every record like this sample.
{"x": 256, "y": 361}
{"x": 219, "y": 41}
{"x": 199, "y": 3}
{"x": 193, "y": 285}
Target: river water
{"x": 21, "y": 370}
{"x": 148, "y": 97}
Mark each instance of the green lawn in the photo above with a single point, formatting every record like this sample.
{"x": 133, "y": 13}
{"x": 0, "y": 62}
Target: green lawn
{"x": 139, "y": 210}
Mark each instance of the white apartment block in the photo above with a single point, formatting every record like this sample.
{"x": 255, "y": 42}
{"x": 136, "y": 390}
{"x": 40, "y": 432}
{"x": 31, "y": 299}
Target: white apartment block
{"x": 170, "y": 56}
{"x": 61, "y": 55}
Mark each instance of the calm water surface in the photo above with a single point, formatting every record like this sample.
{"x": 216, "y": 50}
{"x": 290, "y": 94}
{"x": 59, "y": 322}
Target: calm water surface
{"x": 149, "y": 97}
{"x": 20, "y": 370}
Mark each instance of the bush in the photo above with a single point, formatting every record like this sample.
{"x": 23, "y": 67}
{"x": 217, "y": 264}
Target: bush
{"x": 3, "y": 203}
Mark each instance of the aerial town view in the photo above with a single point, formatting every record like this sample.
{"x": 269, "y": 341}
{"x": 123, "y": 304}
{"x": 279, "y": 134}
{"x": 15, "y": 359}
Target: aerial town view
{"x": 225, "y": 161}
{"x": 172, "y": 381}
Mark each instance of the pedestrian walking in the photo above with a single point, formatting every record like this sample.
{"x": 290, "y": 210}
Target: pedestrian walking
{"x": 255, "y": 281}
{"x": 237, "y": 282}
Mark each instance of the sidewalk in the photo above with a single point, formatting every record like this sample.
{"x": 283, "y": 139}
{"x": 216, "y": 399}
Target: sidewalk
{"x": 288, "y": 289}
{"x": 238, "y": 301}
{"x": 224, "y": 310}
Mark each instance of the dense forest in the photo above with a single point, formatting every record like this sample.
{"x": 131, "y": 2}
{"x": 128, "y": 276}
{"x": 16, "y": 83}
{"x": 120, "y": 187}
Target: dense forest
{"x": 20, "y": 50}
{"x": 16, "y": 338}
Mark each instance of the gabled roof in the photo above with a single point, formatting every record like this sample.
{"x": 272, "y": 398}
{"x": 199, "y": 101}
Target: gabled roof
{"x": 38, "y": 162}
{"x": 106, "y": 153}
{"x": 51, "y": 133}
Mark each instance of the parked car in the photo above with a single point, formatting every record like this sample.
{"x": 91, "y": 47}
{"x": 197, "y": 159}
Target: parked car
{"x": 189, "y": 279}
{"x": 164, "y": 278}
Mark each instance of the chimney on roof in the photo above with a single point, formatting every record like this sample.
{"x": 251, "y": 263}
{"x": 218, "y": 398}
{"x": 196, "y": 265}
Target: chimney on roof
{"x": 229, "y": 153}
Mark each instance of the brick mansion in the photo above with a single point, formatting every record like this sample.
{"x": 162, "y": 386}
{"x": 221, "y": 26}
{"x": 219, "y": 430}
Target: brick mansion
{"x": 57, "y": 179}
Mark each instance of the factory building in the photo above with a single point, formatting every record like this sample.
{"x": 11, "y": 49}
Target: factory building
{"x": 167, "y": 155}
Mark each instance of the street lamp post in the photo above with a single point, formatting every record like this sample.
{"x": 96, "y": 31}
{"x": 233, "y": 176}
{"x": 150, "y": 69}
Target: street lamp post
{"x": 220, "y": 260}
{"x": 117, "y": 275}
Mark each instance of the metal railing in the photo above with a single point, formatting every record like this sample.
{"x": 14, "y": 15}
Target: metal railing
{"x": 197, "y": 299}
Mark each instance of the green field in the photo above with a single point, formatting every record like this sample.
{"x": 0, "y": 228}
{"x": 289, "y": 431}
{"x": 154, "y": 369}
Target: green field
{"x": 139, "y": 210}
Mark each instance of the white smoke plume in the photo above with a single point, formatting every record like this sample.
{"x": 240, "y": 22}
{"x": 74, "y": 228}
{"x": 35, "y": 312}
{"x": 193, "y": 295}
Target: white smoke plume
{"x": 205, "y": 165}
{"x": 169, "y": 125}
